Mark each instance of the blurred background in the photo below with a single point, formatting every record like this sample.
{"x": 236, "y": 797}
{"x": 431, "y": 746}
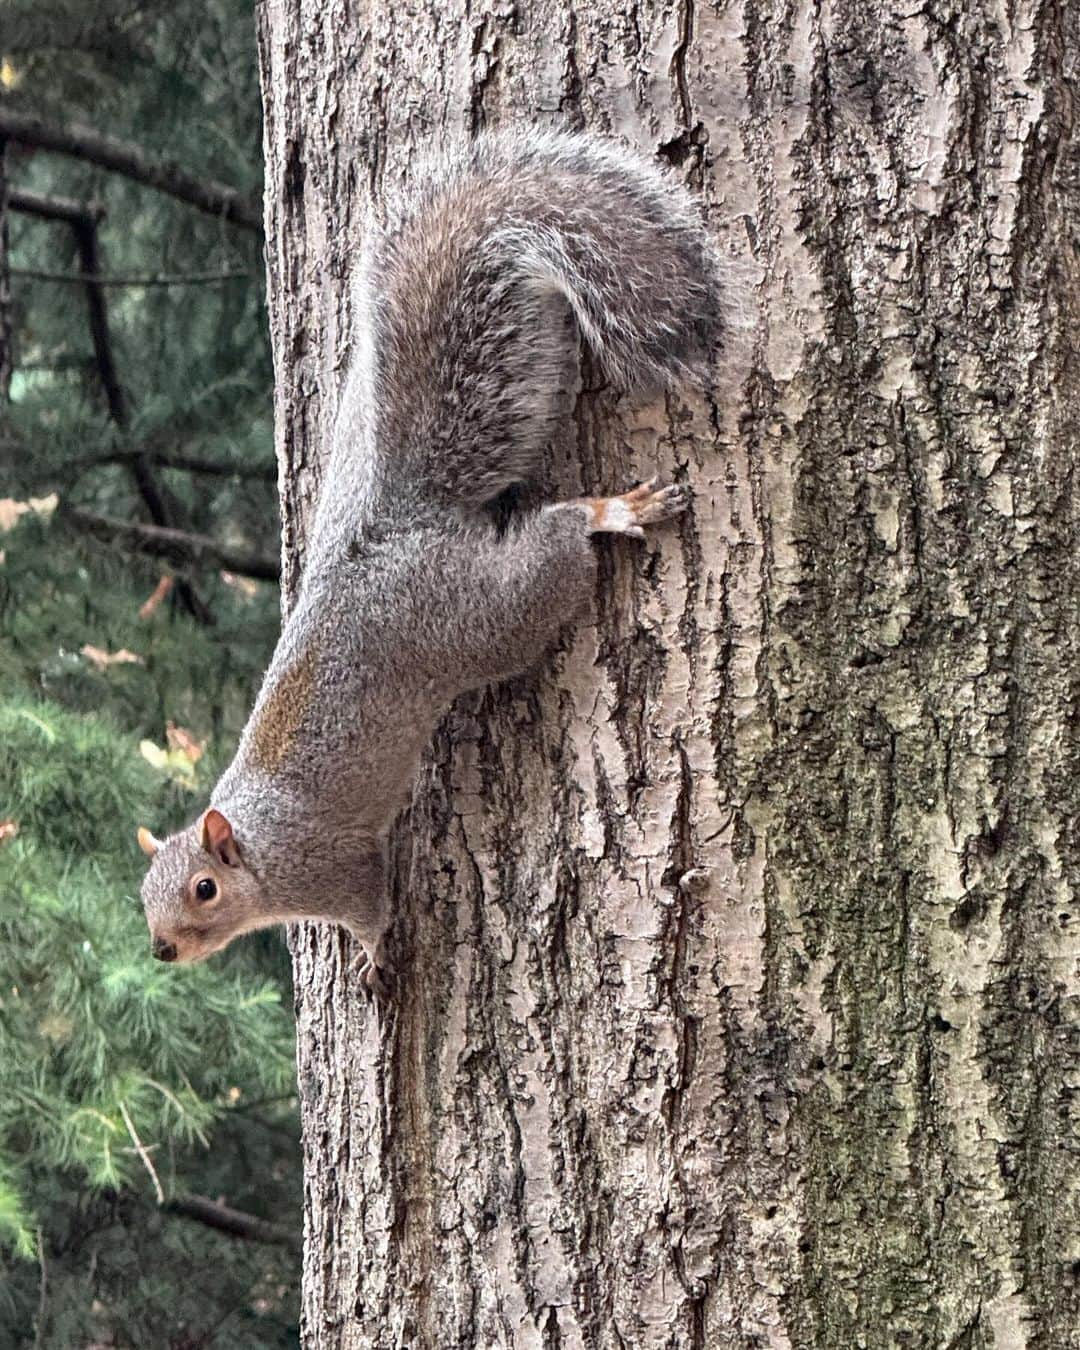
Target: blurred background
{"x": 149, "y": 1155}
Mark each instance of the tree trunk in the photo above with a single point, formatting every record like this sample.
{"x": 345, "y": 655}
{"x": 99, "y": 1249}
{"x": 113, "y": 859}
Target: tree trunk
{"x": 738, "y": 946}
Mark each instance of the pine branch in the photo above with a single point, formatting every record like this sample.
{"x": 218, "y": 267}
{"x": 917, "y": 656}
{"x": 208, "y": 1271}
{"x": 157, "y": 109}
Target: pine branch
{"x": 49, "y": 29}
{"x": 84, "y": 222}
{"x": 5, "y": 282}
{"x": 164, "y": 279}
{"x": 193, "y": 464}
{"x": 144, "y": 1155}
{"x": 266, "y": 473}
{"x": 54, "y": 208}
{"x": 43, "y": 1292}
{"x": 83, "y": 142}
{"x": 85, "y": 232}
{"x": 176, "y": 546}
{"x": 233, "y": 1221}
{"x": 43, "y": 472}
{"x": 159, "y": 502}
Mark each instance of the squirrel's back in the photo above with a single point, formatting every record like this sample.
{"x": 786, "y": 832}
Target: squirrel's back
{"x": 467, "y": 297}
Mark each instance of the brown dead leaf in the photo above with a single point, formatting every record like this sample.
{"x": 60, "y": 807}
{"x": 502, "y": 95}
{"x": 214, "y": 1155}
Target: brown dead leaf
{"x": 11, "y": 510}
{"x": 8, "y": 830}
{"x": 247, "y": 587}
{"x": 102, "y": 659}
{"x": 182, "y": 740}
{"x": 56, "y": 1027}
{"x": 160, "y": 591}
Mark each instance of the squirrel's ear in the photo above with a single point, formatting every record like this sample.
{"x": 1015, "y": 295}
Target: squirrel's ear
{"x": 217, "y": 838}
{"x": 147, "y": 842}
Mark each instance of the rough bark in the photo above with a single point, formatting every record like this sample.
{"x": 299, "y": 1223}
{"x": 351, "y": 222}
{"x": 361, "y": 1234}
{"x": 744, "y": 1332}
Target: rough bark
{"x": 739, "y": 946}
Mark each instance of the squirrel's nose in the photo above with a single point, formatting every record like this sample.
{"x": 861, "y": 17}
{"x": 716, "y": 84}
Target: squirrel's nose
{"x": 164, "y": 951}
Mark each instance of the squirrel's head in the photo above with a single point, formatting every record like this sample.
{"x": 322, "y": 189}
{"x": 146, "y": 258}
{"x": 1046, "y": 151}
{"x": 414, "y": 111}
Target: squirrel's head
{"x": 198, "y": 894}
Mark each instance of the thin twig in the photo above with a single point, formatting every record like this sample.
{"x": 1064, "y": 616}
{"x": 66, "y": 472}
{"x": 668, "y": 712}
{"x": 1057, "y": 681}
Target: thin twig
{"x": 162, "y": 506}
{"x": 39, "y": 1326}
{"x": 165, "y": 279}
{"x": 257, "y": 1103}
{"x": 147, "y": 1162}
{"x": 5, "y": 282}
{"x": 200, "y": 1134}
{"x": 233, "y": 1221}
{"x": 54, "y": 208}
{"x": 186, "y": 463}
{"x": 179, "y": 547}
{"x": 216, "y": 199}
{"x": 86, "y": 242}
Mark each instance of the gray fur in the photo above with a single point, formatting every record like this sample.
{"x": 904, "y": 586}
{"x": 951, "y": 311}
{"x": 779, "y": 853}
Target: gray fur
{"x": 465, "y": 309}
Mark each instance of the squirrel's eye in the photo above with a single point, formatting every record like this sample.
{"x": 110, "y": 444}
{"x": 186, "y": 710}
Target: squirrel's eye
{"x": 205, "y": 889}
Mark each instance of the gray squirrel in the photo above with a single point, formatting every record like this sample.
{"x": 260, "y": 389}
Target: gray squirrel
{"x": 470, "y": 296}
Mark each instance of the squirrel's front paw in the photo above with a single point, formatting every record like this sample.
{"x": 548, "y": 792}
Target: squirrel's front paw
{"x": 643, "y": 505}
{"x": 651, "y": 503}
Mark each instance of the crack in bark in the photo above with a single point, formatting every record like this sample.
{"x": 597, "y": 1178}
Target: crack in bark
{"x": 769, "y": 1112}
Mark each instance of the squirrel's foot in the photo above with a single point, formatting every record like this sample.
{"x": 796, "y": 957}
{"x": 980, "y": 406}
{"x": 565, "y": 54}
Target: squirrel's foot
{"x": 374, "y": 970}
{"x": 629, "y": 513}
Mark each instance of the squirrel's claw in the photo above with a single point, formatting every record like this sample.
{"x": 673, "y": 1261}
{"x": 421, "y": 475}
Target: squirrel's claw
{"x": 630, "y": 512}
{"x": 376, "y": 983}
{"x": 374, "y": 971}
{"x": 652, "y": 503}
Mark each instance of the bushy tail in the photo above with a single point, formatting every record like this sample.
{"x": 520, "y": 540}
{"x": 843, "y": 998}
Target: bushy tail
{"x": 466, "y": 294}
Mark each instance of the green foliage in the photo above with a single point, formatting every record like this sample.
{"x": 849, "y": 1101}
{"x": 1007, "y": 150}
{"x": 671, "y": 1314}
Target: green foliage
{"x": 119, "y": 1077}
{"x": 193, "y": 361}
{"x": 113, "y": 1068}
{"x": 15, "y": 1225}
{"x": 58, "y": 594}
{"x": 126, "y": 1053}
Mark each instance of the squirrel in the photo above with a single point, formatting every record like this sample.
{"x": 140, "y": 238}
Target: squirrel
{"x": 470, "y": 296}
